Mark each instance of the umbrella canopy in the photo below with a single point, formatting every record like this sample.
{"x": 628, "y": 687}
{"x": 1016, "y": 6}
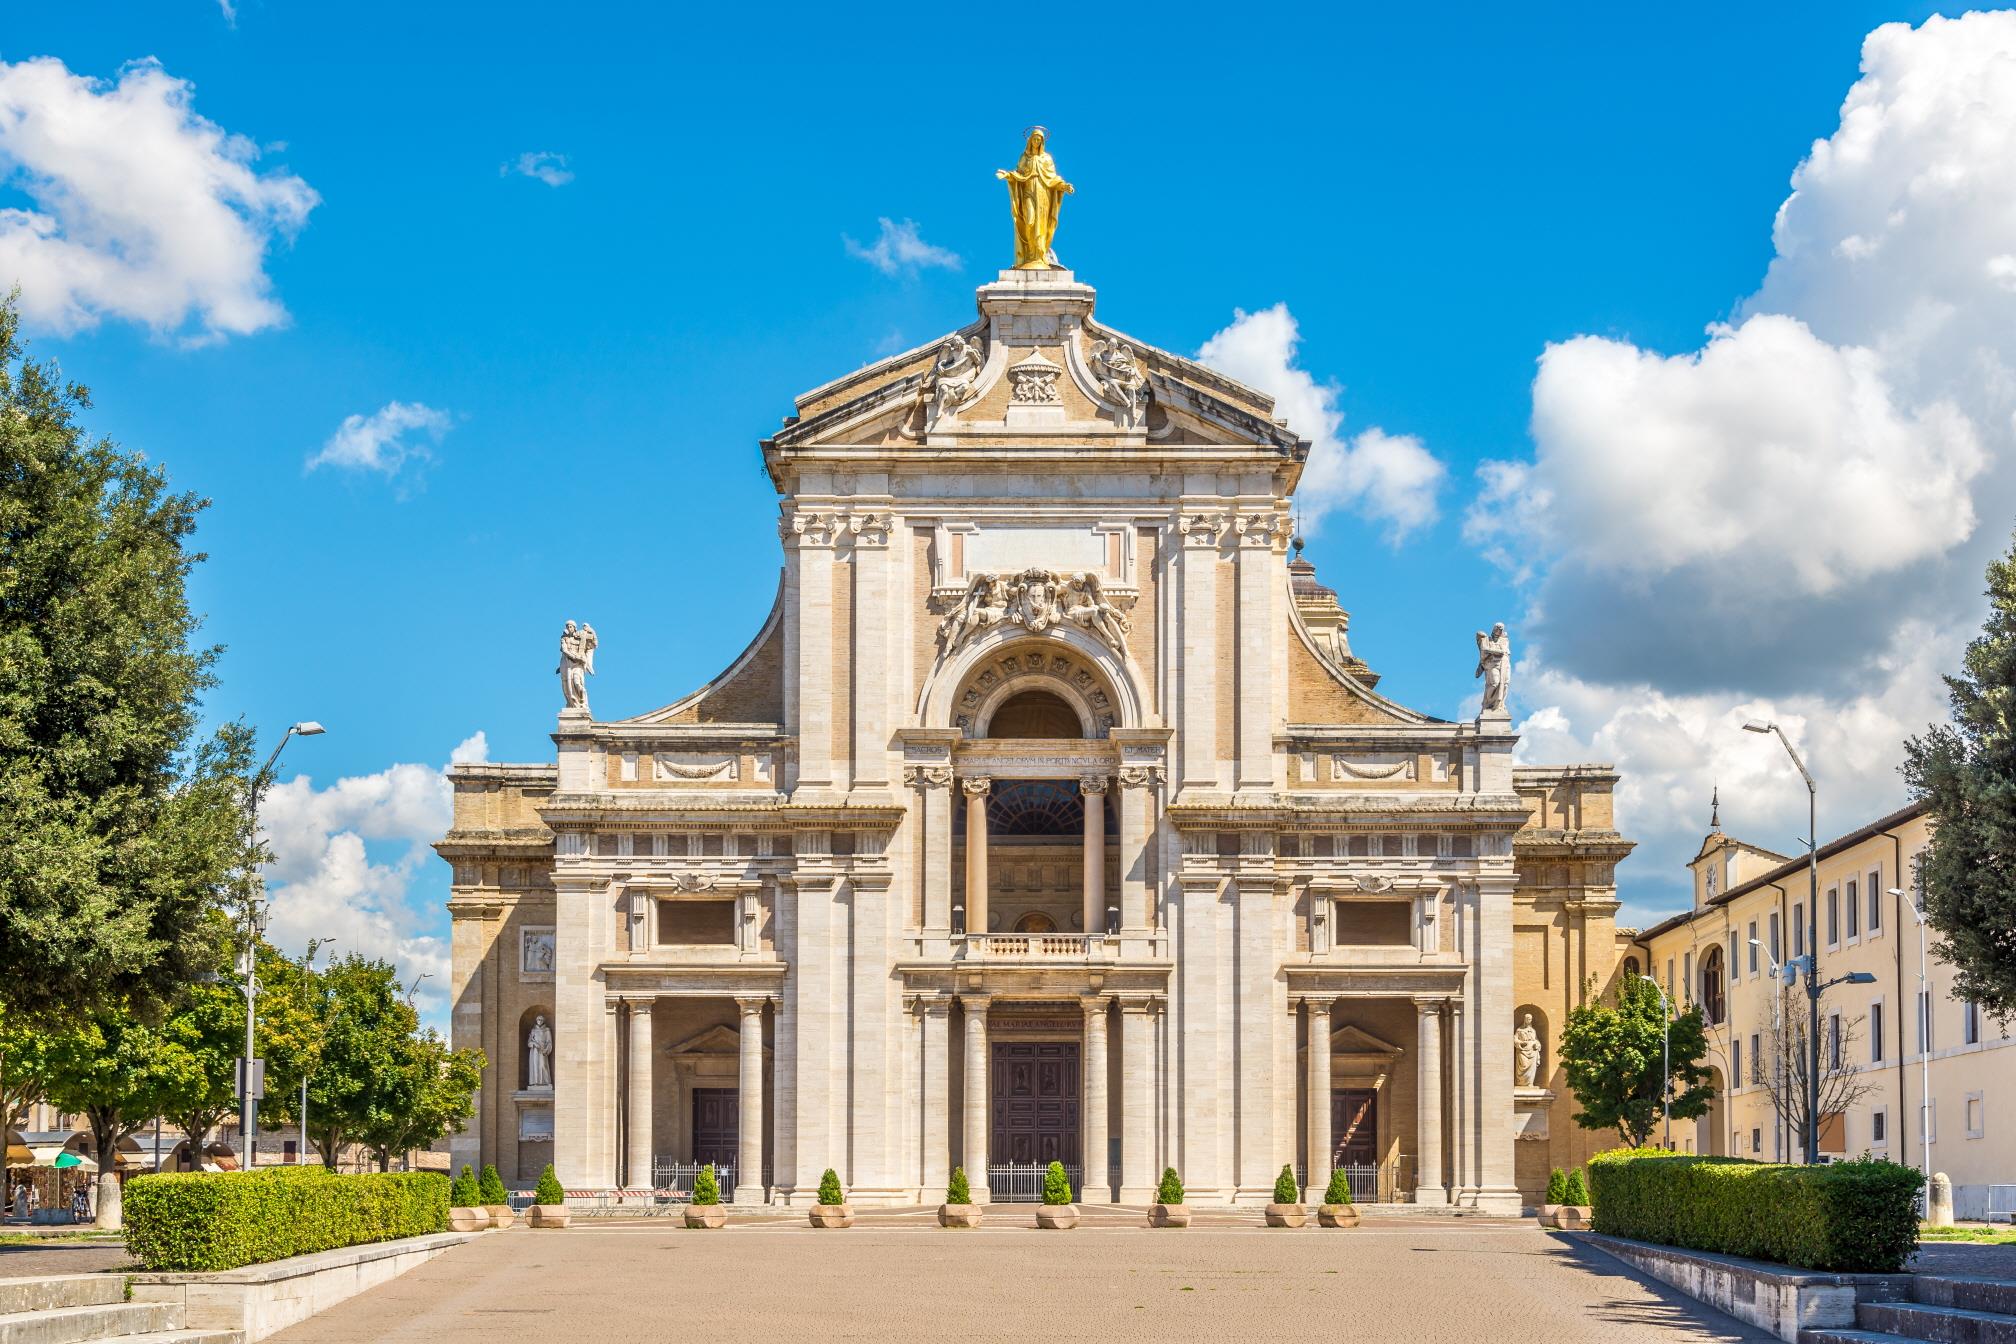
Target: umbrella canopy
{"x": 18, "y": 1155}
{"x": 66, "y": 1160}
{"x": 56, "y": 1155}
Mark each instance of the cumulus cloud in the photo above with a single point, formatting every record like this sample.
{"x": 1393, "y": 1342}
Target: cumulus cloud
{"x": 1791, "y": 520}
{"x": 385, "y": 440}
{"x": 542, "y": 166}
{"x": 140, "y": 209}
{"x": 898, "y": 249}
{"x": 1388, "y": 479}
{"x": 345, "y": 862}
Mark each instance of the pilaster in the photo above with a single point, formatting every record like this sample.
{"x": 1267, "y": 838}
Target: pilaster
{"x": 1139, "y": 1093}
{"x": 1197, "y": 572}
{"x": 1098, "y": 1184}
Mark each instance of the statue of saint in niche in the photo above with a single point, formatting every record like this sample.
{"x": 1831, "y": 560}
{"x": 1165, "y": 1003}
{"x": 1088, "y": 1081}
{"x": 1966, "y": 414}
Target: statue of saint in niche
{"x": 1526, "y": 1050}
{"x": 1035, "y": 193}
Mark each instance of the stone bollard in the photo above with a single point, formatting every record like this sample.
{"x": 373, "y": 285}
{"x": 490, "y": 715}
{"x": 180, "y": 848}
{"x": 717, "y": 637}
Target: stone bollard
{"x": 1939, "y": 1201}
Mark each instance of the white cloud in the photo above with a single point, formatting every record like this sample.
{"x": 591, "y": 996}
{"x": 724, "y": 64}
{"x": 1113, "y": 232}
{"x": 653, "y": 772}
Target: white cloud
{"x": 1790, "y": 521}
{"x": 325, "y": 884}
{"x": 1389, "y": 479}
{"x": 546, "y": 167}
{"x": 898, "y": 248}
{"x": 230, "y": 12}
{"x": 385, "y": 440}
{"x": 141, "y": 209}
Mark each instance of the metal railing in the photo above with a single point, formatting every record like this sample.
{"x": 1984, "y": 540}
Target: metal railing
{"x": 1022, "y": 1183}
{"x": 674, "y": 1180}
{"x": 1379, "y": 1183}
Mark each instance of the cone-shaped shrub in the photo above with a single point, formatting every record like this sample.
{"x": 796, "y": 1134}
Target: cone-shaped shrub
{"x": 465, "y": 1193}
{"x": 1339, "y": 1189}
{"x": 1285, "y": 1191}
{"x": 1577, "y": 1189}
{"x": 550, "y": 1191}
{"x": 829, "y": 1189}
{"x": 1171, "y": 1189}
{"x": 490, "y": 1189}
{"x": 1056, "y": 1185}
{"x": 1557, "y": 1188}
{"x": 707, "y": 1186}
{"x": 957, "y": 1191}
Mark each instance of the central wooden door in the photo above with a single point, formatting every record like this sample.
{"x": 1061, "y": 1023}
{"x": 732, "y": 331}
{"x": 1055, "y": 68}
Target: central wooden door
{"x": 717, "y": 1125}
{"x": 1354, "y": 1126}
{"x": 1035, "y": 1102}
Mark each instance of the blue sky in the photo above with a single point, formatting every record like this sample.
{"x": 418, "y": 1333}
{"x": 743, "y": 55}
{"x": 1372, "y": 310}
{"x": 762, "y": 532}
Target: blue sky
{"x": 587, "y": 256}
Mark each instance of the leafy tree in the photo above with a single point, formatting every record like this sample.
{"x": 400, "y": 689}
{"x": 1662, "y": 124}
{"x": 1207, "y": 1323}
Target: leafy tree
{"x": 1285, "y": 1189}
{"x": 1611, "y": 1053}
{"x": 20, "y": 1066}
{"x": 549, "y": 1190}
{"x": 1965, "y": 774}
{"x": 1170, "y": 1191}
{"x": 707, "y": 1186}
{"x": 118, "y": 1073}
{"x": 464, "y": 1192}
{"x": 830, "y": 1193}
{"x": 1339, "y": 1189}
{"x": 491, "y": 1186}
{"x": 959, "y": 1190}
{"x": 1575, "y": 1190}
{"x": 358, "y": 1084}
{"x": 208, "y": 1026}
{"x": 124, "y": 833}
{"x": 1557, "y": 1187}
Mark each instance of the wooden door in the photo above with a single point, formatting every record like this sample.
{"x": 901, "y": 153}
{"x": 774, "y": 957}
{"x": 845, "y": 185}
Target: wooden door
{"x": 1035, "y": 1103}
{"x": 1354, "y": 1126}
{"x": 717, "y": 1125}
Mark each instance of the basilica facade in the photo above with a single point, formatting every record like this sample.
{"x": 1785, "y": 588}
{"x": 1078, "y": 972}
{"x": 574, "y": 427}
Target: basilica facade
{"x": 1049, "y": 815}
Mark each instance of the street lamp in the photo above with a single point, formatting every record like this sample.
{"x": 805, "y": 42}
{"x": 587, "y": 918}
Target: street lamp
{"x": 1665, "y": 1059}
{"x": 1813, "y": 985}
{"x": 251, "y": 1083}
{"x": 301, "y": 1153}
{"x": 1924, "y": 1041}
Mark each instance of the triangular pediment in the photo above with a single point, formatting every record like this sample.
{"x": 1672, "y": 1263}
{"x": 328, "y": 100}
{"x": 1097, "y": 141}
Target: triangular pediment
{"x": 717, "y": 1040}
{"x": 1035, "y": 368}
{"x": 1354, "y": 1040}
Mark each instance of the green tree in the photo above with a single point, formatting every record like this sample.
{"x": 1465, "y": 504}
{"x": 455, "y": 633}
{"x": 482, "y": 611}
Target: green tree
{"x": 208, "y": 1026}
{"x": 358, "y": 1086}
{"x": 1965, "y": 774}
{"x": 958, "y": 1190}
{"x": 20, "y": 1066}
{"x": 1170, "y": 1191}
{"x": 1056, "y": 1185}
{"x": 1285, "y": 1189}
{"x": 118, "y": 1073}
{"x": 434, "y": 1094}
{"x": 1611, "y": 1053}
{"x": 124, "y": 832}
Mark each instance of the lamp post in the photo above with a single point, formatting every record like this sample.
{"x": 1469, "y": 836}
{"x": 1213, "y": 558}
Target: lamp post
{"x": 1924, "y": 1042}
{"x": 1813, "y": 987}
{"x": 1665, "y": 1060}
{"x": 301, "y": 1152}
{"x": 249, "y": 1086}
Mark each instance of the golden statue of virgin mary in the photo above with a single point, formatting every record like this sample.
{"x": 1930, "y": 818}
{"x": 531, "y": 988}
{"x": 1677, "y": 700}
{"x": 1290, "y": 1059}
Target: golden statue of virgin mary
{"x": 1034, "y": 194}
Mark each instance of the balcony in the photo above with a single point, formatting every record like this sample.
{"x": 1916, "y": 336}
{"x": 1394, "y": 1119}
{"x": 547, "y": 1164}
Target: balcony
{"x": 1038, "y": 946}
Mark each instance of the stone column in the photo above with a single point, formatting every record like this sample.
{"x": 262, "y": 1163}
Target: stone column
{"x": 932, "y": 783}
{"x": 977, "y": 788}
{"x": 1428, "y": 1188}
{"x": 935, "y": 1088}
{"x": 749, "y": 1104}
{"x": 1203, "y": 653}
{"x": 1137, "y": 831}
{"x": 978, "y": 1066}
{"x": 1461, "y": 1174}
{"x": 637, "y": 1111}
{"x": 1098, "y": 1184}
{"x": 1319, "y": 1100}
{"x": 1092, "y": 789}
{"x": 1138, "y": 1175}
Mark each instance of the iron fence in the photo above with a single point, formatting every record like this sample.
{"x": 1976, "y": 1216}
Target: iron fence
{"x": 674, "y": 1180}
{"x": 1022, "y": 1183}
{"x": 1377, "y": 1183}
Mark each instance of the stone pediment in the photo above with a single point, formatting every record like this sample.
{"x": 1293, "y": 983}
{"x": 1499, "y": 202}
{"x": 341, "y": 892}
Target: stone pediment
{"x": 719, "y": 1040}
{"x": 1035, "y": 367}
{"x": 1354, "y": 1040}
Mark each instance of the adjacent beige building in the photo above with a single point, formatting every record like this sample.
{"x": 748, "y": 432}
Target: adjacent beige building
{"x": 1049, "y": 814}
{"x": 1898, "y": 1034}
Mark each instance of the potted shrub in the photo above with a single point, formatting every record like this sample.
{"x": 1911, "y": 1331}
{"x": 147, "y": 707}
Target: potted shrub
{"x": 1056, "y": 1210}
{"x": 1169, "y": 1210}
{"x": 549, "y": 1208}
{"x": 1337, "y": 1210}
{"x": 1574, "y": 1213}
{"x": 496, "y": 1200}
{"x": 1286, "y": 1210}
{"x": 706, "y": 1210}
{"x": 1557, "y": 1195}
{"x": 465, "y": 1204}
{"x": 832, "y": 1209}
{"x": 958, "y": 1210}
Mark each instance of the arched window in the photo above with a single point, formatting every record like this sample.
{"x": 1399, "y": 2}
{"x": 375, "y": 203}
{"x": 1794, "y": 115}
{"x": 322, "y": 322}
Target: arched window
{"x": 1631, "y": 970}
{"x": 1035, "y": 714}
{"x": 1714, "y": 1005}
{"x": 1035, "y": 922}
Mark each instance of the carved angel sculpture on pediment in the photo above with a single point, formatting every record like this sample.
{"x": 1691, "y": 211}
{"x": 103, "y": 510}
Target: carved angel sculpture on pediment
{"x": 1121, "y": 381}
{"x": 950, "y": 382}
{"x": 1036, "y": 600}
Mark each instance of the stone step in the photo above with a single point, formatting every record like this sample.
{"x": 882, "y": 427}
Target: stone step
{"x": 61, "y": 1290}
{"x": 1848, "y": 1335}
{"x": 186, "y": 1337}
{"x": 1973, "y": 1292}
{"x": 1942, "y": 1325}
{"x": 81, "y": 1325}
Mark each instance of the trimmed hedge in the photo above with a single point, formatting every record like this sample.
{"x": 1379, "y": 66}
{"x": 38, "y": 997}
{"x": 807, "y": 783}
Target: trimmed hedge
{"x": 221, "y": 1220}
{"x": 1845, "y": 1217}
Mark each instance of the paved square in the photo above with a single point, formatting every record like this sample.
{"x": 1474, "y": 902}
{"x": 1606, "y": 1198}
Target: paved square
{"x": 902, "y": 1279}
